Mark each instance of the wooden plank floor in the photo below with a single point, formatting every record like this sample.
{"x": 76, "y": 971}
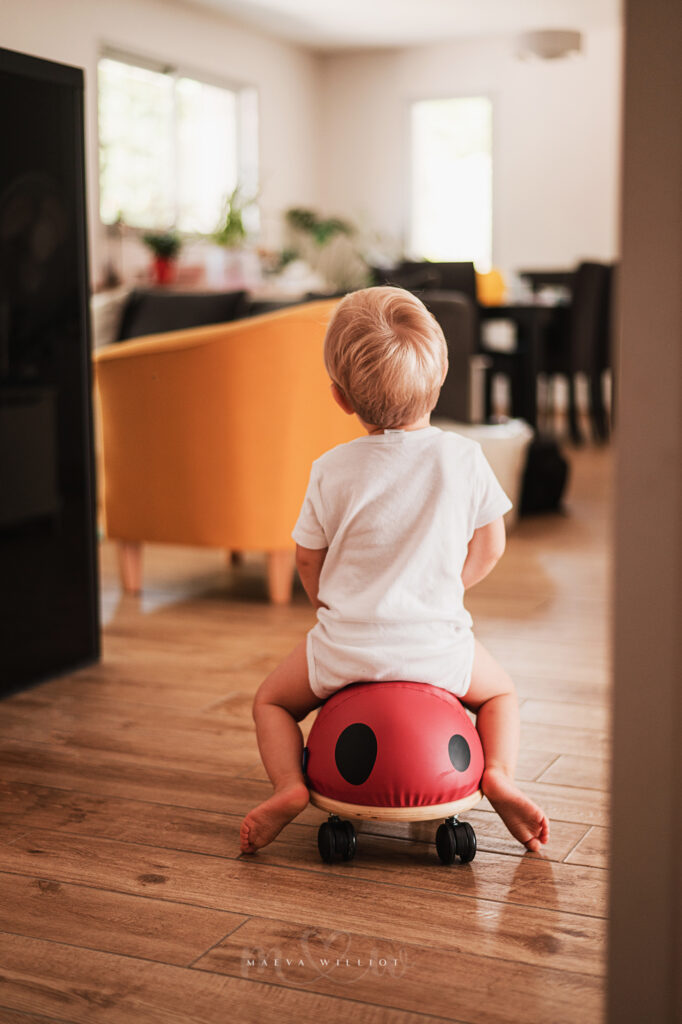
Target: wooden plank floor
{"x": 123, "y": 897}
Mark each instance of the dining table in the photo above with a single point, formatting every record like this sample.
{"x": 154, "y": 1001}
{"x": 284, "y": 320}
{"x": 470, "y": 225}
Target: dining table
{"x": 533, "y": 322}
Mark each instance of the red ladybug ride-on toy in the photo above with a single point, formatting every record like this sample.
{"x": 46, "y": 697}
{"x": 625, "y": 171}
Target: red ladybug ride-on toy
{"x": 394, "y": 751}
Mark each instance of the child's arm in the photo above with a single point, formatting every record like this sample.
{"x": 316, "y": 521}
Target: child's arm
{"x": 485, "y": 550}
{"x": 309, "y": 563}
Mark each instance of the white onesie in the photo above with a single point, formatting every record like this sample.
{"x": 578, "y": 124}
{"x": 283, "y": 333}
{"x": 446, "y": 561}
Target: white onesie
{"x": 396, "y": 511}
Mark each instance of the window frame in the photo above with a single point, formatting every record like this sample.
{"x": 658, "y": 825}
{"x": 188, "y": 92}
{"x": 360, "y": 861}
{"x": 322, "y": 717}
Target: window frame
{"x": 247, "y": 97}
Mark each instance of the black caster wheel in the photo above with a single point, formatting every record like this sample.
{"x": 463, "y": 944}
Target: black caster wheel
{"x": 456, "y": 839}
{"x": 336, "y": 838}
{"x": 350, "y": 844}
{"x": 445, "y": 842}
{"x": 325, "y": 842}
{"x": 465, "y": 839}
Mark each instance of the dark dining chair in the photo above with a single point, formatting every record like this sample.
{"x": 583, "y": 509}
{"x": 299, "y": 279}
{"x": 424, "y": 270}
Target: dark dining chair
{"x": 423, "y": 276}
{"x": 431, "y": 275}
{"x": 447, "y": 276}
{"x": 456, "y": 315}
{"x": 579, "y": 341}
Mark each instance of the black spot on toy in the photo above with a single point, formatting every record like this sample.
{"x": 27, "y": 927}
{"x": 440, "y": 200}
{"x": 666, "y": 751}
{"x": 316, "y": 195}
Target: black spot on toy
{"x": 459, "y": 753}
{"x": 355, "y": 753}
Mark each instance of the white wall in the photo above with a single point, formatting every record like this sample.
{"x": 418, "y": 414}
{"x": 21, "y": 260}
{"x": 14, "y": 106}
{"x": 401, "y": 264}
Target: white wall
{"x": 555, "y": 149}
{"x": 72, "y": 31}
{"x": 334, "y": 130}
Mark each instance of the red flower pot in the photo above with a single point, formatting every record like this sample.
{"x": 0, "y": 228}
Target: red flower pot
{"x": 162, "y": 270}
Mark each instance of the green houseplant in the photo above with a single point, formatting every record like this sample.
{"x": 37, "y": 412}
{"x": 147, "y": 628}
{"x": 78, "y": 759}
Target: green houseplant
{"x": 320, "y": 230}
{"x": 329, "y": 246}
{"x": 231, "y": 232}
{"x": 231, "y": 263}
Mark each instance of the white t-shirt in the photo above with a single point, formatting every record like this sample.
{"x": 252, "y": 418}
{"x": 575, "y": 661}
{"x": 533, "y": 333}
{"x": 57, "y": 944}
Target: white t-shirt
{"x": 396, "y": 512}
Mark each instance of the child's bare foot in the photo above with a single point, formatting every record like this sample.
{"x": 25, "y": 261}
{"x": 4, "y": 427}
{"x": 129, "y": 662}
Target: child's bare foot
{"x": 263, "y": 823}
{"x": 524, "y": 819}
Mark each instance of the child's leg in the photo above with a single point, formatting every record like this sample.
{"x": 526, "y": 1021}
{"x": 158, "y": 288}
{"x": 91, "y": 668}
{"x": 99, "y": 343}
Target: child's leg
{"x": 493, "y": 697}
{"x": 280, "y": 703}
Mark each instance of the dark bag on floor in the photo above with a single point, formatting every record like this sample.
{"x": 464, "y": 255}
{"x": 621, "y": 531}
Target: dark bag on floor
{"x": 545, "y": 477}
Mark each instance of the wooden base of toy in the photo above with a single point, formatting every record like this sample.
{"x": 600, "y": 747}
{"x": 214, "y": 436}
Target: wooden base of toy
{"x": 429, "y": 813}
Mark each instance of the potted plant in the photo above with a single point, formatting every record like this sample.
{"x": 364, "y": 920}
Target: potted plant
{"x": 328, "y": 245}
{"x": 320, "y": 230}
{"x": 165, "y": 245}
{"x": 234, "y": 262}
{"x": 231, "y": 232}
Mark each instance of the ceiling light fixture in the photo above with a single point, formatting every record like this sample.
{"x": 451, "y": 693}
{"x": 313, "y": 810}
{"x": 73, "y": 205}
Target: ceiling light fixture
{"x": 549, "y": 44}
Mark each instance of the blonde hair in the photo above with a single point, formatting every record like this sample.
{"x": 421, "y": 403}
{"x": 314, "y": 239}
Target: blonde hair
{"x": 387, "y": 354}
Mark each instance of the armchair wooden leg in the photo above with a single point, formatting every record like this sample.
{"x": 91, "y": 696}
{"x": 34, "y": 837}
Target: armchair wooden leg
{"x": 280, "y": 576}
{"x": 130, "y": 565}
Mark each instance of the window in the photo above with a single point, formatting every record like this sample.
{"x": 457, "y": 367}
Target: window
{"x": 451, "y": 182}
{"x": 172, "y": 148}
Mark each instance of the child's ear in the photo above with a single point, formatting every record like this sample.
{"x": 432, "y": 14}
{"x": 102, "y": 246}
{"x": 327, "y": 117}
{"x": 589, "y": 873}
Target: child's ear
{"x": 341, "y": 400}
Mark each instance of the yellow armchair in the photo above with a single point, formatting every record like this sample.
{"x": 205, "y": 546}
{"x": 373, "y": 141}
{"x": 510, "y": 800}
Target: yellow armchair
{"x": 208, "y": 435}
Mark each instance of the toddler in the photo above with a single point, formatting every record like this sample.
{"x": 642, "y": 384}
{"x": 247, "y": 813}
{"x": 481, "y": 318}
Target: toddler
{"x": 394, "y": 527}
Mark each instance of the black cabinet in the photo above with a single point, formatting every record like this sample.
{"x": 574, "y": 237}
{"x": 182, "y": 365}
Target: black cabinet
{"x": 49, "y": 620}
